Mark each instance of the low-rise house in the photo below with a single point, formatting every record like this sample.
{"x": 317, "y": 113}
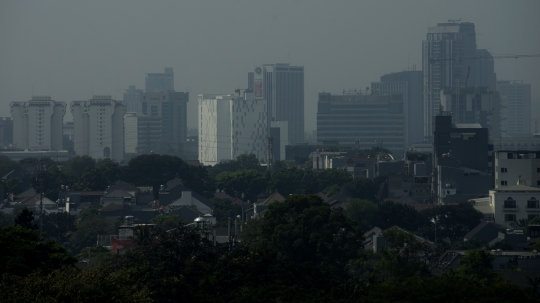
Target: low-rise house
{"x": 361, "y": 167}
{"x": 513, "y": 203}
{"x": 175, "y": 194}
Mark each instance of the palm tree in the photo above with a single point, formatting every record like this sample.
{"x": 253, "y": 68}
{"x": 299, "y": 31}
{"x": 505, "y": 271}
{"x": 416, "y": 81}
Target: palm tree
{"x": 534, "y": 283}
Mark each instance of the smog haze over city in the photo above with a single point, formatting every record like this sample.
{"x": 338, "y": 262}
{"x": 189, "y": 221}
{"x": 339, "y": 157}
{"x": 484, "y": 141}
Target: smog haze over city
{"x": 71, "y": 50}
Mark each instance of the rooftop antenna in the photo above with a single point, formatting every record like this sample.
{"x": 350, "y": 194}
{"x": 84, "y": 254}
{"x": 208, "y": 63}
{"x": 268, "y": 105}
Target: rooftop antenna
{"x": 454, "y": 20}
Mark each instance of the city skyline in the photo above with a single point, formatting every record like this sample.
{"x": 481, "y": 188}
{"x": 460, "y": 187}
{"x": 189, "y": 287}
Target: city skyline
{"x": 82, "y": 56}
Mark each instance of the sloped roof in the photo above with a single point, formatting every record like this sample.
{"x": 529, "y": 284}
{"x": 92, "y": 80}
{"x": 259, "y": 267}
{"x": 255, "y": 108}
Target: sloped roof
{"x": 27, "y": 193}
{"x": 118, "y": 193}
{"x": 177, "y": 184}
{"x": 344, "y": 197}
{"x": 234, "y": 200}
{"x": 274, "y": 197}
{"x": 112, "y": 207}
{"x": 122, "y": 185}
{"x": 473, "y": 232}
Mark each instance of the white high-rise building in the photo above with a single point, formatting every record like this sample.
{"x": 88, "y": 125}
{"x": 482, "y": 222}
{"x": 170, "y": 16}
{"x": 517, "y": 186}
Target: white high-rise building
{"x": 98, "y": 127}
{"x": 37, "y": 124}
{"x": 231, "y": 125}
{"x": 447, "y": 62}
{"x": 515, "y": 108}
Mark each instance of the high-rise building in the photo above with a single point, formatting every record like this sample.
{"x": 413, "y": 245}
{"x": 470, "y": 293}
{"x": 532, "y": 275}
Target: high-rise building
{"x": 475, "y": 105}
{"x": 485, "y": 70}
{"x": 142, "y": 134}
{"x": 515, "y": 108}
{"x": 231, "y": 125}
{"x": 6, "y": 131}
{"x": 448, "y": 61}
{"x": 363, "y": 120}
{"x": 37, "y": 124}
{"x": 282, "y": 86}
{"x": 98, "y": 127}
{"x": 409, "y": 84}
{"x": 132, "y": 97}
{"x": 171, "y": 108}
{"x": 157, "y": 82}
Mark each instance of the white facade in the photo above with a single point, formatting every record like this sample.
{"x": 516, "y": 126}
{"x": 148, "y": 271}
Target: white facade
{"x": 38, "y": 123}
{"x": 98, "y": 127}
{"x": 130, "y": 133}
{"x": 231, "y": 125}
{"x": 513, "y": 203}
{"x": 512, "y": 165}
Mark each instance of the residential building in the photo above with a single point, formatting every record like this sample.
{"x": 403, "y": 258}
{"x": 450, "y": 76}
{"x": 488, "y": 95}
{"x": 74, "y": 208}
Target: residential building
{"x": 410, "y": 85}
{"x": 6, "y": 131}
{"x": 98, "y": 127}
{"x": 231, "y": 125}
{"x": 67, "y": 130}
{"x": 363, "y": 120}
{"x": 174, "y": 195}
{"x": 55, "y": 155}
{"x": 515, "y": 107}
{"x": 514, "y": 202}
{"x": 474, "y": 105}
{"x": 531, "y": 142}
{"x": 37, "y": 124}
{"x": 158, "y": 82}
{"x": 282, "y": 86}
{"x": 171, "y": 109}
{"x": 512, "y": 166}
{"x": 132, "y": 97}
{"x": 447, "y": 62}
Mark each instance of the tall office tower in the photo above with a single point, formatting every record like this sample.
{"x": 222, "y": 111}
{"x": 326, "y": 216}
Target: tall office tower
{"x": 171, "y": 108}
{"x": 447, "y": 62}
{"x": 6, "y": 131}
{"x": 475, "y": 105}
{"x": 157, "y": 82}
{"x": 485, "y": 70}
{"x": 37, "y": 124}
{"x": 282, "y": 86}
{"x": 132, "y": 97}
{"x": 409, "y": 84}
{"x": 98, "y": 127}
{"x": 231, "y": 125}
{"x": 364, "y": 120}
{"x": 142, "y": 134}
{"x": 515, "y": 107}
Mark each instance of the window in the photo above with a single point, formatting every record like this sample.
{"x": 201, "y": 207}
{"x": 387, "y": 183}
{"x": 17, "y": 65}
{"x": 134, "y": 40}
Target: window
{"x": 510, "y": 203}
{"x": 533, "y": 203}
{"x": 538, "y": 169}
{"x": 537, "y": 182}
{"x": 504, "y": 182}
{"x": 504, "y": 170}
{"x": 510, "y": 218}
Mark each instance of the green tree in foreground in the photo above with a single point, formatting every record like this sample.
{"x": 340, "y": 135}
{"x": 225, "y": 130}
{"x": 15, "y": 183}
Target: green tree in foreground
{"x": 26, "y": 219}
{"x": 24, "y": 251}
{"x": 364, "y": 212}
{"x": 475, "y": 267}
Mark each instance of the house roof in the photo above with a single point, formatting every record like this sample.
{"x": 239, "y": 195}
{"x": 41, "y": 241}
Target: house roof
{"x": 473, "y": 232}
{"x": 112, "y": 207}
{"x": 27, "y": 193}
{"x": 516, "y": 188}
{"x": 122, "y": 185}
{"x": 274, "y": 197}
{"x": 344, "y": 197}
{"x": 178, "y": 185}
{"x": 222, "y": 195}
{"x": 373, "y": 231}
{"x": 118, "y": 193}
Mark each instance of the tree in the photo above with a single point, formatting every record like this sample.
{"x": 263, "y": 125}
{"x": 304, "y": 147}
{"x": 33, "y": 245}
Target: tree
{"x": 453, "y": 221}
{"x": 14, "y": 185}
{"x": 223, "y": 209}
{"x": 247, "y": 182}
{"x": 475, "y": 267}
{"x": 6, "y": 219}
{"x": 105, "y": 174}
{"x": 89, "y": 226}
{"x": 7, "y": 165}
{"x": 304, "y": 229}
{"x": 24, "y": 251}
{"x": 166, "y": 222}
{"x": 242, "y": 162}
{"x": 79, "y": 164}
{"x": 404, "y": 257}
{"x": 363, "y": 212}
{"x": 26, "y": 219}
{"x": 294, "y": 181}
{"x": 329, "y": 177}
{"x": 396, "y": 214}
{"x": 365, "y": 188}
{"x": 59, "y": 226}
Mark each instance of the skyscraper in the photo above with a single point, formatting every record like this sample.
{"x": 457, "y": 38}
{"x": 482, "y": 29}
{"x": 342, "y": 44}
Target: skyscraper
{"x": 231, "y": 125}
{"x": 282, "y": 86}
{"x": 447, "y": 62}
{"x": 37, "y": 124}
{"x": 98, "y": 127}
{"x": 156, "y": 82}
{"x": 516, "y": 107}
{"x": 409, "y": 84}
{"x": 485, "y": 70}
{"x": 132, "y": 97}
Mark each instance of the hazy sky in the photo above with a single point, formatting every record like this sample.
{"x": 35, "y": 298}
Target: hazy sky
{"x": 67, "y": 49}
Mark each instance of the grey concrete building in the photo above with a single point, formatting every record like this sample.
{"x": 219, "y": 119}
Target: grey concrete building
{"x": 447, "y": 61}
{"x": 6, "y": 131}
{"x": 410, "y": 85}
{"x": 512, "y": 166}
{"x": 515, "y": 108}
{"x": 171, "y": 108}
{"x": 157, "y": 82}
{"x": 132, "y": 97}
{"x": 282, "y": 86}
{"x": 364, "y": 120}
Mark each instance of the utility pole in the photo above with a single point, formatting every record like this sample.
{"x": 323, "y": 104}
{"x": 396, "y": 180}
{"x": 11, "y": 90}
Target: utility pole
{"x": 41, "y": 195}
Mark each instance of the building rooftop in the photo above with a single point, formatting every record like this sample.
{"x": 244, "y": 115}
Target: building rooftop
{"x": 516, "y": 188}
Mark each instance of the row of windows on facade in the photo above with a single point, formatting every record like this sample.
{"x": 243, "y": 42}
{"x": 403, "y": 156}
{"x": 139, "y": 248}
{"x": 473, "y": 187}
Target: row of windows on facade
{"x": 504, "y": 183}
{"x": 531, "y": 203}
{"x": 513, "y": 217}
